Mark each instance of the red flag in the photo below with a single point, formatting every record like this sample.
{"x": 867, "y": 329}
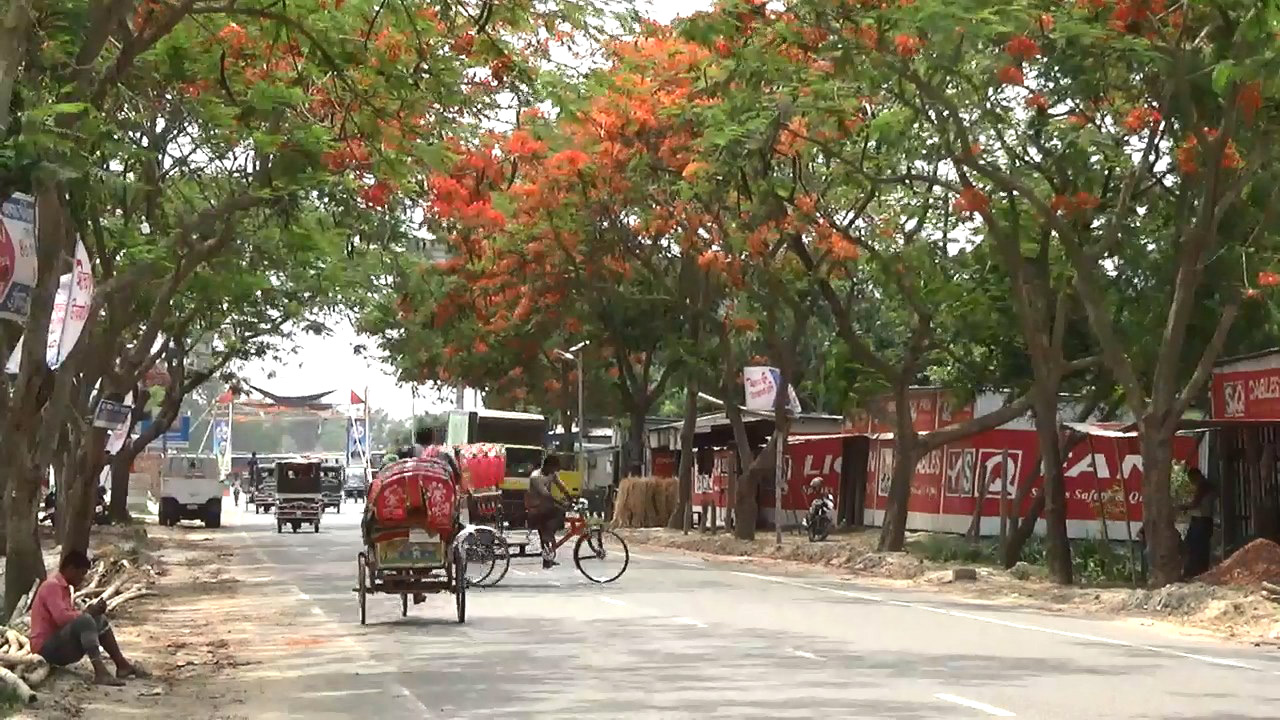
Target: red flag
{"x": 225, "y": 397}
{"x": 355, "y": 399}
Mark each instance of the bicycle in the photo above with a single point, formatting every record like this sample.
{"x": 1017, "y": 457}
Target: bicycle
{"x": 600, "y": 554}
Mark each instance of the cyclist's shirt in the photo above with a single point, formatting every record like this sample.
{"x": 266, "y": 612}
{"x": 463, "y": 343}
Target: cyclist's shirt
{"x": 539, "y": 495}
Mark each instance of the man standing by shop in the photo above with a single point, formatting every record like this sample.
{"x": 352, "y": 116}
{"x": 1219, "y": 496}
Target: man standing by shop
{"x": 1200, "y": 530}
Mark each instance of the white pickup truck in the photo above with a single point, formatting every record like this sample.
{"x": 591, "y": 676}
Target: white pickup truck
{"x": 190, "y": 490}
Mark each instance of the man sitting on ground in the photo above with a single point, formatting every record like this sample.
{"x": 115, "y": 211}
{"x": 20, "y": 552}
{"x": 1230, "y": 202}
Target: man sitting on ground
{"x": 62, "y": 635}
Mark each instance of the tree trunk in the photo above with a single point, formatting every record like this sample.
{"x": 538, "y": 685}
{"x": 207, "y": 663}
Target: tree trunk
{"x": 1163, "y": 542}
{"x": 28, "y": 396}
{"x": 906, "y": 450}
{"x": 894, "y": 531}
{"x": 746, "y": 503}
{"x": 687, "y": 453}
{"x": 636, "y": 441}
{"x": 15, "y": 26}
{"x": 83, "y": 494}
{"x": 1058, "y": 547}
{"x": 24, "y": 563}
{"x": 121, "y": 464}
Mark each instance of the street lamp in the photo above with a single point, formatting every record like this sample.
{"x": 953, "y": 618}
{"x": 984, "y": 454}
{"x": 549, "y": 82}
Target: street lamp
{"x": 575, "y": 354}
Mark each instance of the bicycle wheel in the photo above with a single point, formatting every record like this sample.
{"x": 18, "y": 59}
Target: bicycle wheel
{"x": 601, "y": 555}
{"x": 480, "y": 558}
{"x": 501, "y": 562}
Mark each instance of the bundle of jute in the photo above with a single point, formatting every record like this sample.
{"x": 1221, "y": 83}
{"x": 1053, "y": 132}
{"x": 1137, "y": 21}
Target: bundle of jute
{"x": 644, "y": 502}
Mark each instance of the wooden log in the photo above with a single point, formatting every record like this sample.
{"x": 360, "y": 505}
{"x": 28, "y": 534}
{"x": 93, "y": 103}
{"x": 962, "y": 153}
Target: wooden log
{"x": 35, "y": 673}
{"x": 126, "y": 597}
{"x": 18, "y": 685}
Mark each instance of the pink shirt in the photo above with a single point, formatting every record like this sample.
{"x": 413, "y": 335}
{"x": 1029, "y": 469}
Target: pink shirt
{"x": 50, "y": 610}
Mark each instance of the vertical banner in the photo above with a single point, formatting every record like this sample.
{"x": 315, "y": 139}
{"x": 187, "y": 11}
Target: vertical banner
{"x": 70, "y": 309}
{"x": 222, "y": 442}
{"x": 357, "y": 441}
{"x": 70, "y": 312}
{"x": 17, "y": 256}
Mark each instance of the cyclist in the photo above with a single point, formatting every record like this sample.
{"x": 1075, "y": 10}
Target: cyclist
{"x": 545, "y": 513}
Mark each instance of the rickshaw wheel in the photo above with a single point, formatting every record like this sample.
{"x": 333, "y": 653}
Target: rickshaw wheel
{"x": 460, "y": 583}
{"x": 362, "y": 572}
{"x": 404, "y": 604}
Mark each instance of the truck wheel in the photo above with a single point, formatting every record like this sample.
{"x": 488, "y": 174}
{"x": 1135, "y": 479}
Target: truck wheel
{"x": 169, "y": 512}
{"x": 297, "y": 524}
{"x": 213, "y": 514}
{"x": 316, "y": 526}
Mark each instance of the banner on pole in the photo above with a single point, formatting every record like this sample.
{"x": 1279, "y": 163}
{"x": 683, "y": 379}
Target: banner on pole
{"x": 111, "y": 415}
{"x": 222, "y": 443}
{"x": 70, "y": 313}
{"x": 17, "y": 256}
{"x": 70, "y": 309}
{"x": 357, "y": 441}
{"x": 762, "y": 387}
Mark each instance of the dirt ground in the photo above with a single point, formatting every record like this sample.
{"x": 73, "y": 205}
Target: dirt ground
{"x": 1238, "y": 613}
{"x": 172, "y": 634}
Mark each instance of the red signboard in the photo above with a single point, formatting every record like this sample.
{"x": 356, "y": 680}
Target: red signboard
{"x": 1103, "y": 478}
{"x": 713, "y": 488}
{"x": 1247, "y": 394}
{"x": 805, "y": 460}
{"x": 664, "y": 463}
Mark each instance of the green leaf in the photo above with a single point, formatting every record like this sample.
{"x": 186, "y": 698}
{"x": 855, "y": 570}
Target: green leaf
{"x": 1223, "y": 75}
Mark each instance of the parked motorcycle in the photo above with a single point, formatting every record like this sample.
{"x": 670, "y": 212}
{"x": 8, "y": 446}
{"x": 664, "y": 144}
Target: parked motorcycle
{"x": 822, "y": 511}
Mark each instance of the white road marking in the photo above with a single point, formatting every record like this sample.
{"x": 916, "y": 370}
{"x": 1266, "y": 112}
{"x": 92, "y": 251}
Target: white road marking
{"x": 340, "y": 693}
{"x": 689, "y": 621}
{"x": 612, "y": 601}
{"x": 974, "y": 705}
{"x": 803, "y": 654}
{"x": 669, "y": 562}
{"x": 316, "y": 611}
{"x": 399, "y": 689}
{"x": 553, "y": 582}
{"x": 1005, "y": 623}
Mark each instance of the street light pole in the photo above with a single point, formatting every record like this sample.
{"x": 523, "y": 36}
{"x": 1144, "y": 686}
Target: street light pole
{"x": 575, "y": 354}
{"x": 582, "y": 425}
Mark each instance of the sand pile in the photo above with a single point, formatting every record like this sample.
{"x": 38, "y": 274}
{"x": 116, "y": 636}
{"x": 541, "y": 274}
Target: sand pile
{"x": 1250, "y": 566}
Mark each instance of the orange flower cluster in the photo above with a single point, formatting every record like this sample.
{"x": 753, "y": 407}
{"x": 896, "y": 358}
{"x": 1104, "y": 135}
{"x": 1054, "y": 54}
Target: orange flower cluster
{"x": 1080, "y": 202}
{"x": 1142, "y": 118}
{"x": 1022, "y": 48}
{"x": 1188, "y": 153}
{"x": 1249, "y": 100}
{"x": 972, "y": 201}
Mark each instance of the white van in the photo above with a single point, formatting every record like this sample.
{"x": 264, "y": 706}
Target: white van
{"x": 190, "y": 490}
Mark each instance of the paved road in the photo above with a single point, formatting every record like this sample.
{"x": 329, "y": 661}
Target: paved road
{"x": 677, "y": 637}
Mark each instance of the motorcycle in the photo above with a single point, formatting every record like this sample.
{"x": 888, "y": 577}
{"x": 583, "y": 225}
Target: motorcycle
{"x": 821, "y": 517}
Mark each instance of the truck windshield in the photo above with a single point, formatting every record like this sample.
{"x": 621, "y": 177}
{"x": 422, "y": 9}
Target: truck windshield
{"x": 297, "y": 480}
{"x": 522, "y": 461}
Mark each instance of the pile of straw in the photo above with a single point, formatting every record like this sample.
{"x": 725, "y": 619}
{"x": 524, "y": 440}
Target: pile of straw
{"x": 645, "y": 502}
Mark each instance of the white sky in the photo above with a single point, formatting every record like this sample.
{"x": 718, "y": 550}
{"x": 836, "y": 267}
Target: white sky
{"x": 321, "y": 363}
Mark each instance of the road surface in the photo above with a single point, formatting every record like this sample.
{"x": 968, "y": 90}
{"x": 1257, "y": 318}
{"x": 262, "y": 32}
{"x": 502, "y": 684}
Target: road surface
{"x": 678, "y": 637}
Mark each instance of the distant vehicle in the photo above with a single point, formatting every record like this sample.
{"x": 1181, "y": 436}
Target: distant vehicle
{"x": 298, "y": 497}
{"x": 332, "y": 477}
{"x": 263, "y": 493}
{"x": 355, "y": 484}
{"x": 190, "y": 490}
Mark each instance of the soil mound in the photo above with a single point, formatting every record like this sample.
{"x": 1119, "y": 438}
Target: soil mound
{"x": 1250, "y": 566}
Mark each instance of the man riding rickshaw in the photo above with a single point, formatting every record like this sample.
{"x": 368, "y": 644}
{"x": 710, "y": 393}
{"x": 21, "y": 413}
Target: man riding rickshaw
{"x": 410, "y": 522}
